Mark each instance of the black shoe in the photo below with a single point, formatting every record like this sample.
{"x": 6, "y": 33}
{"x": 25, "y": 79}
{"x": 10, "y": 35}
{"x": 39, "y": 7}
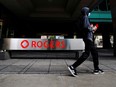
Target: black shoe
{"x": 98, "y": 71}
{"x": 72, "y": 70}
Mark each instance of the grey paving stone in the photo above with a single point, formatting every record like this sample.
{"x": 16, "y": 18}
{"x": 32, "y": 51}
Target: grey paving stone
{"x": 2, "y": 67}
{"x": 13, "y": 68}
{"x": 38, "y": 69}
{"x": 58, "y": 69}
{"x": 8, "y": 62}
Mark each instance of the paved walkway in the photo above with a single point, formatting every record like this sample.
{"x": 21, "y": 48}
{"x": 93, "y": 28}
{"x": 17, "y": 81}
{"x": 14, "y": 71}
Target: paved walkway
{"x": 54, "y": 72}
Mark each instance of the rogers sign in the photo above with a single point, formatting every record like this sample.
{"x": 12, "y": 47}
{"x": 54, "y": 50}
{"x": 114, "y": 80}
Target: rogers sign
{"x": 43, "y": 44}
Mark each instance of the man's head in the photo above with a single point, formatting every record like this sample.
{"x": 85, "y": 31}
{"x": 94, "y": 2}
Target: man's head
{"x": 85, "y": 11}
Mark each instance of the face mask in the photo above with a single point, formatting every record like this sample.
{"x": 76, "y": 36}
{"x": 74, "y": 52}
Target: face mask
{"x": 89, "y": 14}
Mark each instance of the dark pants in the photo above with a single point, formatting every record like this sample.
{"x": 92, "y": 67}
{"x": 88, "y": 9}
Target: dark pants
{"x": 89, "y": 47}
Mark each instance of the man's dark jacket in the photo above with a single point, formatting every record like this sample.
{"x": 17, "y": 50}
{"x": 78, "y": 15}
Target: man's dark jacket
{"x": 87, "y": 32}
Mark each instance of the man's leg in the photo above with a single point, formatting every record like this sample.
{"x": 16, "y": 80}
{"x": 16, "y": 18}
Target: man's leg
{"x": 94, "y": 53}
{"x": 84, "y": 56}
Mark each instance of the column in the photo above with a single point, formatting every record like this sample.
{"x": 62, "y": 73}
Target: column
{"x": 113, "y": 12}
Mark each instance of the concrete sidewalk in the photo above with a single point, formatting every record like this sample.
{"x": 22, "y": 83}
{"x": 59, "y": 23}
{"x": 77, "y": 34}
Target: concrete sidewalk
{"x": 56, "y": 80}
{"x": 54, "y": 73}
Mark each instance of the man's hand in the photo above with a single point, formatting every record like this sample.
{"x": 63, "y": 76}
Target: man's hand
{"x": 91, "y": 25}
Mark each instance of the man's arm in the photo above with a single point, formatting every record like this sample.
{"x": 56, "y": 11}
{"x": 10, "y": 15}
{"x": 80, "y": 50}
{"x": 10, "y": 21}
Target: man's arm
{"x": 87, "y": 24}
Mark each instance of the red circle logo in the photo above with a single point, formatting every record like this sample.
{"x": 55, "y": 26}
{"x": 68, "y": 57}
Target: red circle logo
{"x": 24, "y": 44}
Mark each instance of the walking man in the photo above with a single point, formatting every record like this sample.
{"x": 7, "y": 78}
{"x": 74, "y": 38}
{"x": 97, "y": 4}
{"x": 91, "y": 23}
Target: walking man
{"x": 87, "y": 34}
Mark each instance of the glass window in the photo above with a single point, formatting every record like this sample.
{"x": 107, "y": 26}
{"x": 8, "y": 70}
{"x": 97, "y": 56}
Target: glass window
{"x": 96, "y": 8}
{"x": 103, "y": 6}
{"x": 1, "y": 28}
{"x": 108, "y": 5}
{"x": 111, "y": 40}
{"x": 98, "y": 41}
